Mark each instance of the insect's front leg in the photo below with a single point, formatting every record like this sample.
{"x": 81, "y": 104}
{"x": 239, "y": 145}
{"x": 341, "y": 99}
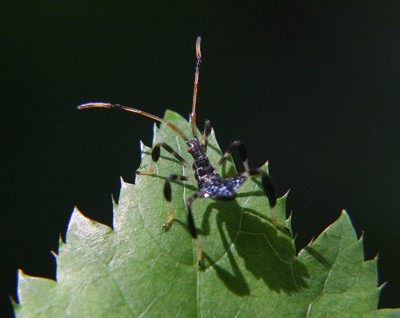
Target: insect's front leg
{"x": 155, "y": 155}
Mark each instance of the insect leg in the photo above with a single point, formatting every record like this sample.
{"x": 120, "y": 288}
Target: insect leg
{"x": 168, "y": 196}
{"x": 206, "y": 133}
{"x": 155, "y": 155}
{"x": 242, "y": 153}
{"x": 267, "y": 183}
{"x": 192, "y": 227}
{"x": 269, "y": 189}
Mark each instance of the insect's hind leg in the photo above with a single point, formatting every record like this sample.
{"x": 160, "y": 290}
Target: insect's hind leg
{"x": 267, "y": 183}
{"x": 270, "y": 190}
{"x": 266, "y": 180}
{"x": 155, "y": 155}
{"x": 242, "y": 154}
{"x": 168, "y": 196}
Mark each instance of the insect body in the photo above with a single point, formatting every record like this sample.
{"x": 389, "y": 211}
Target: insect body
{"x": 210, "y": 183}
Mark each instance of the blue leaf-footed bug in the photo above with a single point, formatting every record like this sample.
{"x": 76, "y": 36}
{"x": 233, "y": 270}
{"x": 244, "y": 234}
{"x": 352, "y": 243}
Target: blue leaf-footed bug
{"x": 210, "y": 183}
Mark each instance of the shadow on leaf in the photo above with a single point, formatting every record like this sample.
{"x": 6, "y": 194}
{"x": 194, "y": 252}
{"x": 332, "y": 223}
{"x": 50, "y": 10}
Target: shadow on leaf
{"x": 267, "y": 253}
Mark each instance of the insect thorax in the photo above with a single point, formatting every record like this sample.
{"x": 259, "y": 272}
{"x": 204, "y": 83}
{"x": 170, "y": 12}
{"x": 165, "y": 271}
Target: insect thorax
{"x": 203, "y": 170}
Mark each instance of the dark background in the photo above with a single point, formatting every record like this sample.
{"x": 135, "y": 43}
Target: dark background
{"x": 312, "y": 87}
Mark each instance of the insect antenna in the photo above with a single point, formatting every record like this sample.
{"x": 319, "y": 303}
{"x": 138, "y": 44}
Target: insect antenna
{"x": 136, "y": 111}
{"x": 196, "y": 82}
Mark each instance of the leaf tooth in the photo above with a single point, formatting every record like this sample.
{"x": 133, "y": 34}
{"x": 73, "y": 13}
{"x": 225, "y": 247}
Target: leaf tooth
{"x": 30, "y": 289}
{"x": 60, "y": 240}
{"x": 361, "y": 238}
{"x": 143, "y": 147}
{"x": 83, "y": 228}
{"x": 155, "y": 132}
{"x": 344, "y": 212}
{"x": 381, "y": 286}
{"x": 124, "y": 184}
{"x": 289, "y": 218}
{"x": 286, "y": 194}
{"x": 114, "y": 202}
{"x": 54, "y": 253}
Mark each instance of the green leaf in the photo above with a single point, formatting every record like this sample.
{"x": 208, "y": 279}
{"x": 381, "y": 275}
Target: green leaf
{"x": 251, "y": 267}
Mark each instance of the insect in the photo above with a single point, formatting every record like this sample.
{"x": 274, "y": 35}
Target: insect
{"x": 210, "y": 183}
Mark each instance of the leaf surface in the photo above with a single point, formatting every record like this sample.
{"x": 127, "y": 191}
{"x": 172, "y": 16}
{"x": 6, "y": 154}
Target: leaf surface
{"x": 251, "y": 267}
